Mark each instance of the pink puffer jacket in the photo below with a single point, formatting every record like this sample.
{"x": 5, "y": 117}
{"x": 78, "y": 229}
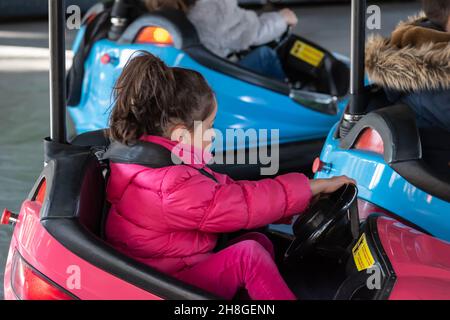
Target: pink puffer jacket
{"x": 170, "y": 218}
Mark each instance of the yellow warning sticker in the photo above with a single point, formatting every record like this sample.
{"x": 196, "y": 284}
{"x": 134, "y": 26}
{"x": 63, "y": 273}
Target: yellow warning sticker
{"x": 362, "y": 255}
{"x": 307, "y": 53}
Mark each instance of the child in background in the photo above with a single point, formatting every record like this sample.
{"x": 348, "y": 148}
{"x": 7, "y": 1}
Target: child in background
{"x": 225, "y": 29}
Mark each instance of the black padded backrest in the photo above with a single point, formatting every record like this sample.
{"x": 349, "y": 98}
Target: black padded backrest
{"x": 397, "y": 127}
{"x": 92, "y": 198}
{"x": 76, "y": 190}
{"x": 72, "y": 214}
{"x": 98, "y": 138}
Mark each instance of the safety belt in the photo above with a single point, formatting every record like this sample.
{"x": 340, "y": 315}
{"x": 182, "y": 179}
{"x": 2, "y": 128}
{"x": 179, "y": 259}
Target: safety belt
{"x": 143, "y": 153}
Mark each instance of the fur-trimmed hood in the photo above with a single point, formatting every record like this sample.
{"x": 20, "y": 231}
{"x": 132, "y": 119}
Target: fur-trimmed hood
{"x": 413, "y": 58}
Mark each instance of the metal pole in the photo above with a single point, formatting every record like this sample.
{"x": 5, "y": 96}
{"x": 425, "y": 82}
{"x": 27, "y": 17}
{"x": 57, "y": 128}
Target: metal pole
{"x": 358, "y": 38}
{"x": 57, "y": 28}
{"x": 119, "y": 19}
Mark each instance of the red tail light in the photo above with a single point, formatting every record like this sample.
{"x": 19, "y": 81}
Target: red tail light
{"x": 155, "y": 35}
{"x": 30, "y": 284}
{"x": 8, "y": 217}
{"x": 40, "y": 195}
{"x": 370, "y": 140}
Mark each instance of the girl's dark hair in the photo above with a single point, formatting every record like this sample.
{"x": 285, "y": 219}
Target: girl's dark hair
{"x": 150, "y": 97}
{"x": 437, "y": 11}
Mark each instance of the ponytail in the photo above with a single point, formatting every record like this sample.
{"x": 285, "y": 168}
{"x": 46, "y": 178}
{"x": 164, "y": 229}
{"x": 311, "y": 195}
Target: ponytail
{"x": 150, "y": 96}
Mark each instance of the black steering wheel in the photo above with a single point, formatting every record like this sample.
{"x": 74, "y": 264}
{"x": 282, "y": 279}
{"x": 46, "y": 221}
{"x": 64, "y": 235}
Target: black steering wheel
{"x": 283, "y": 38}
{"x": 275, "y": 44}
{"x": 328, "y": 218}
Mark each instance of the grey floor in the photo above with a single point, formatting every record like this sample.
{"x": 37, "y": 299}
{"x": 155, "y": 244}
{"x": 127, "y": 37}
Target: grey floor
{"x": 24, "y": 90}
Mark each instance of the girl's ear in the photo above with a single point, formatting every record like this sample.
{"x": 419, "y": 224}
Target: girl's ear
{"x": 181, "y": 134}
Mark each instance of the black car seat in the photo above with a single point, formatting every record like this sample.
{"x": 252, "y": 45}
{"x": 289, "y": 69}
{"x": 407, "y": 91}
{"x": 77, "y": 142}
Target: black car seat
{"x": 73, "y": 214}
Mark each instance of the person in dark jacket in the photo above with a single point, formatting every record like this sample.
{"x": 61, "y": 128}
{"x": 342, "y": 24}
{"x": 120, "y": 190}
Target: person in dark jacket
{"x": 413, "y": 65}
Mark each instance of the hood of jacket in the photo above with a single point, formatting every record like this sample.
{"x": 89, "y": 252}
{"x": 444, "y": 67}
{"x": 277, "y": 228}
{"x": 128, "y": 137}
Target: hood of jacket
{"x": 415, "y": 57}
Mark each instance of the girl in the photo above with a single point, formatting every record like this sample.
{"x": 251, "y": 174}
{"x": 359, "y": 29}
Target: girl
{"x": 225, "y": 29}
{"x": 170, "y": 217}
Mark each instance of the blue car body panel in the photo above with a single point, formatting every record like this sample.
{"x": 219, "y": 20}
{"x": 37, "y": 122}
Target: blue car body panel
{"x": 379, "y": 184}
{"x": 241, "y": 105}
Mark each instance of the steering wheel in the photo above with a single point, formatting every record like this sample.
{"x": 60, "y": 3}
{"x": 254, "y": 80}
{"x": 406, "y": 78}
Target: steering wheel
{"x": 275, "y": 44}
{"x": 283, "y": 38}
{"x": 332, "y": 215}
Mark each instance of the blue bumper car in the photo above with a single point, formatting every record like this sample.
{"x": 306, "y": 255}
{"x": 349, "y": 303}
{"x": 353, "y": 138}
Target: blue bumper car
{"x": 302, "y": 110}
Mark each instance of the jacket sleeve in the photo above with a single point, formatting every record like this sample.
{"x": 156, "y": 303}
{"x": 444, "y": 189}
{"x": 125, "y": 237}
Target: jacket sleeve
{"x": 196, "y": 202}
{"x": 254, "y": 29}
{"x": 271, "y": 25}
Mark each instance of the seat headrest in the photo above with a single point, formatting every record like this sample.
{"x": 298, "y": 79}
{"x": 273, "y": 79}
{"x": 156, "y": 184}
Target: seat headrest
{"x": 397, "y": 127}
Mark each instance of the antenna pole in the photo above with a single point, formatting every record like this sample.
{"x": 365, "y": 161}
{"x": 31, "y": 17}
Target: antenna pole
{"x": 57, "y": 28}
{"x": 358, "y": 100}
{"x": 358, "y": 38}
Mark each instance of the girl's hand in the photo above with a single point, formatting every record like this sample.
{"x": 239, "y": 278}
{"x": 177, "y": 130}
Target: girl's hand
{"x": 319, "y": 186}
{"x": 289, "y": 16}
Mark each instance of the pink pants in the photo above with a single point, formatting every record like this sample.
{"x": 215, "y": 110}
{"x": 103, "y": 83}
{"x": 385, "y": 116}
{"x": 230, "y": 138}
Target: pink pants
{"x": 248, "y": 262}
